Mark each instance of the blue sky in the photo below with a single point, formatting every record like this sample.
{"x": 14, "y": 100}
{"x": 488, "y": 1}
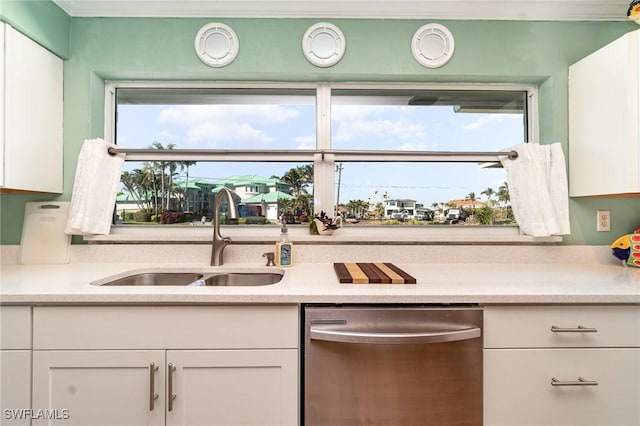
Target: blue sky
{"x": 353, "y": 127}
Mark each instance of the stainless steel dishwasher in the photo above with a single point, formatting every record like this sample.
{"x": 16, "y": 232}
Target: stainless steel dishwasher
{"x": 392, "y": 365}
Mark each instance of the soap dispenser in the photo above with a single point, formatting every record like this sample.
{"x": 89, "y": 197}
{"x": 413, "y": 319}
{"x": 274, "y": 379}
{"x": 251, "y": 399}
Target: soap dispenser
{"x": 284, "y": 248}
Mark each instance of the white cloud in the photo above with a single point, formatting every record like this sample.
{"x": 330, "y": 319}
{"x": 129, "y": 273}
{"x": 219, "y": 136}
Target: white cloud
{"x": 306, "y": 142}
{"x": 414, "y": 146}
{"x": 350, "y": 130}
{"x": 367, "y": 122}
{"x": 226, "y": 123}
{"x": 166, "y": 137}
{"x": 480, "y": 122}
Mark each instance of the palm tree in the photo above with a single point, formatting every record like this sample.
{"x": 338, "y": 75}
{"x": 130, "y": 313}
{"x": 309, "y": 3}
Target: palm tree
{"x": 130, "y": 182}
{"x": 489, "y": 192}
{"x": 307, "y": 173}
{"x": 503, "y": 194}
{"x": 472, "y": 197}
{"x": 173, "y": 166}
{"x": 149, "y": 184}
{"x": 297, "y": 180}
{"x": 186, "y": 165}
{"x": 504, "y": 198}
{"x": 162, "y": 165}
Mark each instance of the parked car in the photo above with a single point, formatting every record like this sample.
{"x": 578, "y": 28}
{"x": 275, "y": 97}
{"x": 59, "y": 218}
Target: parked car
{"x": 401, "y": 216}
{"x": 452, "y": 216}
{"x": 288, "y": 218}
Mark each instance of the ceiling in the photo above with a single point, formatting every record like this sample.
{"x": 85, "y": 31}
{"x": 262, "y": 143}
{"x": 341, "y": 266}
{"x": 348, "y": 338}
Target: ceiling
{"x": 553, "y": 10}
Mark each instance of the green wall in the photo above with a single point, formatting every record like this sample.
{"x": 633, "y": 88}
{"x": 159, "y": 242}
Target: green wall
{"x": 41, "y": 20}
{"x": 270, "y": 50}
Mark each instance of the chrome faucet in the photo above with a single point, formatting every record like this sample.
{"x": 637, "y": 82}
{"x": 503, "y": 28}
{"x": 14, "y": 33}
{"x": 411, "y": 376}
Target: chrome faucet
{"x": 219, "y": 242}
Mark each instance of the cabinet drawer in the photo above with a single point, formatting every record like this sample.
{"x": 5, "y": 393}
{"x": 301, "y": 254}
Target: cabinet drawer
{"x": 531, "y": 326}
{"x": 518, "y": 390}
{"x": 15, "y": 327}
{"x": 166, "y": 327}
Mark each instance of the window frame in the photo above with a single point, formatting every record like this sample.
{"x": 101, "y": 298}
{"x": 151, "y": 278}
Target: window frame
{"x": 324, "y": 163}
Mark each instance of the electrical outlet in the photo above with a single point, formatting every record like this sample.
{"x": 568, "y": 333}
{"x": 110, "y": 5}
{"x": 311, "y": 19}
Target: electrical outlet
{"x": 604, "y": 221}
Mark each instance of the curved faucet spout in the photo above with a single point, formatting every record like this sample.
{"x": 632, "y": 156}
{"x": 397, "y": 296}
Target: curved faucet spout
{"x": 219, "y": 242}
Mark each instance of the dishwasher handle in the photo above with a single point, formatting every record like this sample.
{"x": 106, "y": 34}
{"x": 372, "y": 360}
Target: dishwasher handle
{"x": 351, "y": 336}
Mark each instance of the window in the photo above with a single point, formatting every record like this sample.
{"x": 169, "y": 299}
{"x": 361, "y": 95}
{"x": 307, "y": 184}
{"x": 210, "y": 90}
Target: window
{"x": 251, "y": 119}
{"x": 375, "y": 154}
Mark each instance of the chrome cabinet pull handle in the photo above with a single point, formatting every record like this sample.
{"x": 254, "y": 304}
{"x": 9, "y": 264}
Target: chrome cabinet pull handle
{"x": 578, "y": 329}
{"x": 580, "y": 382}
{"x": 152, "y": 385}
{"x": 170, "y": 369}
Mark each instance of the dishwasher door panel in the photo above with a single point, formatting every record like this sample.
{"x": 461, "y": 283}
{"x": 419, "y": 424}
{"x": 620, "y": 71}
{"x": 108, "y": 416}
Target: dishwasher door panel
{"x": 407, "y": 384}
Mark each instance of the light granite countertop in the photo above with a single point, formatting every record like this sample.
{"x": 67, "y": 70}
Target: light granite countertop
{"x": 484, "y": 283}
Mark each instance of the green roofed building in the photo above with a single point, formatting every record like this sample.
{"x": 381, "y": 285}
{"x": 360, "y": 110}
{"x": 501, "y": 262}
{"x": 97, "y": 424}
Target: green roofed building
{"x": 260, "y": 195}
{"x": 268, "y": 202}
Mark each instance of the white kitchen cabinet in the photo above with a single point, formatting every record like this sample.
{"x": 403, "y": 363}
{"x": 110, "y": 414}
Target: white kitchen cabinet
{"x": 233, "y": 387}
{"x": 31, "y": 82}
{"x": 604, "y": 129}
{"x": 241, "y": 367}
{"x": 15, "y": 387}
{"x": 128, "y": 388}
{"x": 110, "y": 388}
{"x": 562, "y": 365}
{"x": 15, "y": 365}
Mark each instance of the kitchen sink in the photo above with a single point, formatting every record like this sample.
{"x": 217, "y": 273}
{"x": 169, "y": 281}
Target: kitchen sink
{"x": 214, "y": 278}
{"x": 243, "y": 279}
{"x": 157, "y": 278}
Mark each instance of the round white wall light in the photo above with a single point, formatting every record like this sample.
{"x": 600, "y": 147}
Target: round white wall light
{"x": 216, "y": 44}
{"x": 323, "y": 44}
{"x": 432, "y": 45}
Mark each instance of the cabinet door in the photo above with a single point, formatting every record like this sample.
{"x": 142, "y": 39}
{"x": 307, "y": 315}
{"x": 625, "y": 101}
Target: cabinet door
{"x": 33, "y": 97}
{"x": 518, "y": 390}
{"x": 15, "y": 387}
{"x": 88, "y": 388}
{"x": 2, "y": 79}
{"x": 233, "y": 387}
{"x": 604, "y": 131}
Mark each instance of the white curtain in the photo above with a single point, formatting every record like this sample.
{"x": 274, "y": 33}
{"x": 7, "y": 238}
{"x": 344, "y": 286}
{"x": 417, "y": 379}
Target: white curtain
{"x": 94, "y": 189}
{"x": 538, "y": 189}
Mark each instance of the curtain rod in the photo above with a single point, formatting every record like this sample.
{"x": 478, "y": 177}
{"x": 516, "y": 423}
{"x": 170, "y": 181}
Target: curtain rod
{"x": 304, "y": 155}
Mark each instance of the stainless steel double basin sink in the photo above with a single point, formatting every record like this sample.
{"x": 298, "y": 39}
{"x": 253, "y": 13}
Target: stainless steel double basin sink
{"x": 180, "y": 278}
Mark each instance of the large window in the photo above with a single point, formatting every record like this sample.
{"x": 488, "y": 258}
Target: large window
{"x": 374, "y": 154}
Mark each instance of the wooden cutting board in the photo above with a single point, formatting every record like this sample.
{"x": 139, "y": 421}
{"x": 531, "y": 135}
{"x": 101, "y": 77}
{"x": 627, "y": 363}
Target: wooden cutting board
{"x": 43, "y": 239}
{"x": 372, "y": 273}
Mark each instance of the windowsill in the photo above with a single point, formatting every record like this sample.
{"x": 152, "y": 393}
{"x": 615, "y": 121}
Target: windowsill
{"x": 375, "y": 235}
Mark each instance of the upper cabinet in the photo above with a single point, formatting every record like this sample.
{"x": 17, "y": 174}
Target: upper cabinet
{"x": 31, "y": 116}
{"x": 604, "y": 120}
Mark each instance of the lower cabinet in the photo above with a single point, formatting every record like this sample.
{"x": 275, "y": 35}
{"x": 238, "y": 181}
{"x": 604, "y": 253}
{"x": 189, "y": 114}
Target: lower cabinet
{"x": 111, "y": 388}
{"x": 562, "y": 366}
{"x": 99, "y": 387}
{"x": 15, "y": 365}
{"x": 257, "y": 387}
{"x": 184, "y": 365}
{"x": 520, "y": 388}
{"x": 15, "y": 387}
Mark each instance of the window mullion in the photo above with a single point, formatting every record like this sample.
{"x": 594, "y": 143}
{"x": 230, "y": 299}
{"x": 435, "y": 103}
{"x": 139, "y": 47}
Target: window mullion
{"x": 323, "y": 165}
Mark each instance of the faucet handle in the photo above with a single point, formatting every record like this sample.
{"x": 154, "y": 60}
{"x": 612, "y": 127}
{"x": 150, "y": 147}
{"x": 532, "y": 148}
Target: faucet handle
{"x": 270, "y": 258}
